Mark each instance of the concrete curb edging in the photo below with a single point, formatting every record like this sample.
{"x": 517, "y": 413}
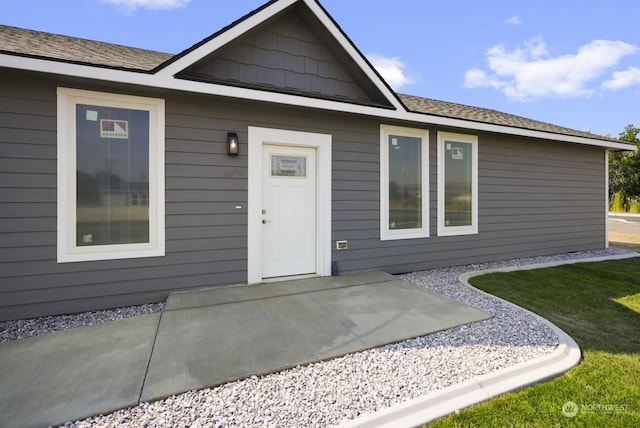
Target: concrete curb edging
{"x": 612, "y": 213}
{"x": 443, "y": 402}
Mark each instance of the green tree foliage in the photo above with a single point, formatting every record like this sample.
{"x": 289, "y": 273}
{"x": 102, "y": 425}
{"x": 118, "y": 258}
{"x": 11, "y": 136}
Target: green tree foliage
{"x": 624, "y": 167}
{"x": 619, "y": 202}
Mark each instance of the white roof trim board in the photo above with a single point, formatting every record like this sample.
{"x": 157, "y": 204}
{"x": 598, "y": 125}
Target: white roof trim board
{"x": 164, "y": 76}
{"x": 252, "y": 21}
{"x": 224, "y": 38}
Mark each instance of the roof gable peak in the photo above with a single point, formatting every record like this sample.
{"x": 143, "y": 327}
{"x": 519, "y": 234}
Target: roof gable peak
{"x": 287, "y": 46}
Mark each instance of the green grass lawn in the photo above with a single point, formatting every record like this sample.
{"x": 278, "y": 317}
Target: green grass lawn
{"x": 598, "y": 304}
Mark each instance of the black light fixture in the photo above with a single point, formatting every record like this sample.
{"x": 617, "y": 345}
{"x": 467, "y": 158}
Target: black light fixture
{"x": 233, "y": 146}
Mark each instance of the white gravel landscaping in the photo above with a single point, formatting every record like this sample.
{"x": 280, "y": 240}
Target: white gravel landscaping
{"x": 19, "y": 329}
{"x": 330, "y": 392}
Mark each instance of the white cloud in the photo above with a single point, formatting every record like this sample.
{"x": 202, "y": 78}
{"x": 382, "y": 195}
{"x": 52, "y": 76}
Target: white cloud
{"x": 529, "y": 71}
{"x": 131, "y": 5}
{"x": 623, "y": 79}
{"x": 392, "y": 70}
{"x": 514, "y": 20}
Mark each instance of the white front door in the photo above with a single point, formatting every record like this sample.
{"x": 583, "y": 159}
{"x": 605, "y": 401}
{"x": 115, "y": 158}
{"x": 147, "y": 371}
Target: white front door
{"x": 289, "y": 204}
{"x": 289, "y": 198}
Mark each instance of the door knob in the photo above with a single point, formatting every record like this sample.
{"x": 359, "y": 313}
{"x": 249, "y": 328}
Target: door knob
{"x": 265, "y": 221}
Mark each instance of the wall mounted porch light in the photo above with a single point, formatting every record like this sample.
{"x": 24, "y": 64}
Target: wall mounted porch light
{"x": 233, "y": 146}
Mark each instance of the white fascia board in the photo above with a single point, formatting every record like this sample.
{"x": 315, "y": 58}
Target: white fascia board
{"x": 169, "y": 82}
{"x": 224, "y": 38}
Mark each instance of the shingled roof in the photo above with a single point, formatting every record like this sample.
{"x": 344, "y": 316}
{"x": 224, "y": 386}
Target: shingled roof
{"x": 484, "y": 115}
{"x": 23, "y": 42}
{"x": 71, "y": 49}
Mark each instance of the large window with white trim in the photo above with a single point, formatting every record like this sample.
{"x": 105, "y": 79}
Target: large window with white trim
{"x": 404, "y": 184}
{"x": 457, "y": 184}
{"x": 110, "y": 176}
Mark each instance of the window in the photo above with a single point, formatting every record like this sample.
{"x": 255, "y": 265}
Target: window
{"x": 288, "y": 166}
{"x": 457, "y": 184}
{"x": 110, "y": 176}
{"x": 404, "y": 186}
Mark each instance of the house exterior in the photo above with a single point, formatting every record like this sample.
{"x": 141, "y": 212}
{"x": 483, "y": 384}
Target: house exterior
{"x": 118, "y": 187}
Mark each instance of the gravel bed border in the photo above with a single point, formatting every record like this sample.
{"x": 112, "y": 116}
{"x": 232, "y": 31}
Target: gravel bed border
{"x": 330, "y": 392}
{"x": 23, "y": 328}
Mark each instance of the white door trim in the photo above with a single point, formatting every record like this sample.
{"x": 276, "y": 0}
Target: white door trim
{"x": 322, "y": 143}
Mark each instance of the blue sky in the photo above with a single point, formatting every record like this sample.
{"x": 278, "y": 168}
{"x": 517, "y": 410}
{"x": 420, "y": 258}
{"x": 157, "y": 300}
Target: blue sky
{"x": 568, "y": 62}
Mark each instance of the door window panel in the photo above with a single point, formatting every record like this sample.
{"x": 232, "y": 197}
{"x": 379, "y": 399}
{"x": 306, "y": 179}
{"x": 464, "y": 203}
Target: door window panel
{"x": 288, "y": 166}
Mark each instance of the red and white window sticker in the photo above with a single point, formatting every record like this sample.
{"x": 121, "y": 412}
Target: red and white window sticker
{"x": 110, "y": 128}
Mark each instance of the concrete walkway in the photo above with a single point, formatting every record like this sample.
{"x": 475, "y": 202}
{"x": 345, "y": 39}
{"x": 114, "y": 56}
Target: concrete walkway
{"x": 624, "y": 231}
{"x": 208, "y": 337}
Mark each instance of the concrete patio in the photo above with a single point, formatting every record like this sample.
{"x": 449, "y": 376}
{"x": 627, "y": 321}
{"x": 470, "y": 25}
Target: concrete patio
{"x": 208, "y": 337}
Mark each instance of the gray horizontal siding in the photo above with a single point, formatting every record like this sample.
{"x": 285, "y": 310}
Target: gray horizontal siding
{"x": 205, "y": 234}
{"x": 535, "y": 198}
{"x": 27, "y": 179}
